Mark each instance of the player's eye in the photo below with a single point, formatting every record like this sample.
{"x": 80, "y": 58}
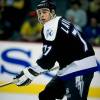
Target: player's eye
{"x": 44, "y": 12}
{"x": 38, "y": 12}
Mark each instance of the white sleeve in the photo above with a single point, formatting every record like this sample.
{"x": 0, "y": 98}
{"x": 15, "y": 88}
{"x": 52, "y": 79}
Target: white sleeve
{"x": 37, "y": 68}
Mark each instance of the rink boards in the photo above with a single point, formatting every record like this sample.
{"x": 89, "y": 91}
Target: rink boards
{"x": 14, "y": 56}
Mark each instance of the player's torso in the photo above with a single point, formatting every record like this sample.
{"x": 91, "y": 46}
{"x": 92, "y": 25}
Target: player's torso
{"x": 66, "y": 40}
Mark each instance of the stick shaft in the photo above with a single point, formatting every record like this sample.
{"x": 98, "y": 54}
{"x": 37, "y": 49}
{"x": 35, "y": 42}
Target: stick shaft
{"x": 2, "y": 85}
{"x": 12, "y": 82}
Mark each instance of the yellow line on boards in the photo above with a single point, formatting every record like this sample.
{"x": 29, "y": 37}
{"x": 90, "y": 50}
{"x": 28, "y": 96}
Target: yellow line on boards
{"x": 94, "y": 92}
{"x": 30, "y": 89}
{"x": 36, "y": 88}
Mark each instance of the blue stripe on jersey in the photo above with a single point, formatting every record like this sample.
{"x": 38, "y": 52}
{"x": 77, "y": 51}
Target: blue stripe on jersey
{"x": 69, "y": 76}
{"x": 78, "y": 73}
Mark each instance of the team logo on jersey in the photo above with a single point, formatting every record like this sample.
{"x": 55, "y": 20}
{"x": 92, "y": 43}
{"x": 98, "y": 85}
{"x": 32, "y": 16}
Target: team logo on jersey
{"x": 49, "y": 33}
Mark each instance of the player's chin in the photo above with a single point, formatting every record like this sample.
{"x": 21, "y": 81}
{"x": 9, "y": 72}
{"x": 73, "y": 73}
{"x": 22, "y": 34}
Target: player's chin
{"x": 41, "y": 22}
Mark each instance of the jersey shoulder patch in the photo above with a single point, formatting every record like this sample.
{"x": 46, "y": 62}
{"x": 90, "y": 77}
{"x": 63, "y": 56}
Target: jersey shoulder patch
{"x": 50, "y": 29}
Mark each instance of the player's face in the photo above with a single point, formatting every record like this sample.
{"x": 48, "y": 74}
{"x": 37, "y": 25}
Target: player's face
{"x": 44, "y": 15}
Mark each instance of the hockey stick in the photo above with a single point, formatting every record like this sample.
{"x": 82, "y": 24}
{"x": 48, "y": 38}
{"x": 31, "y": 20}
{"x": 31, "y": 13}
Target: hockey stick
{"x": 5, "y": 84}
{"x": 16, "y": 80}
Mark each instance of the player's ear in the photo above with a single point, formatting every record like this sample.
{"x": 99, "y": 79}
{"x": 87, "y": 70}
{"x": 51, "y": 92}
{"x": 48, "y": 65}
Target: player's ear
{"x": 53, "y": 12}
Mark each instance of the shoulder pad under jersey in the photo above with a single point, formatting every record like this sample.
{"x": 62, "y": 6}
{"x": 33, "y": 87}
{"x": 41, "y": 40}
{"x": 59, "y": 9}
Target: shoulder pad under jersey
{"x": 50, "y": 29}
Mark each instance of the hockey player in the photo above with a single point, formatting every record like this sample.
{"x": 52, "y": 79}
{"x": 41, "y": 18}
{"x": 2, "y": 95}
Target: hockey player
{"x": 62, "y": 42}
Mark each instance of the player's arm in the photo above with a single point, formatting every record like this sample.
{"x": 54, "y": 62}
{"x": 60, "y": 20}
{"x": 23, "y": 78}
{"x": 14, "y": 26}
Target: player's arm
{"x": 28, "y": 74}
{"x": 48, "y": 59}
{"x": 45, "y": 62}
